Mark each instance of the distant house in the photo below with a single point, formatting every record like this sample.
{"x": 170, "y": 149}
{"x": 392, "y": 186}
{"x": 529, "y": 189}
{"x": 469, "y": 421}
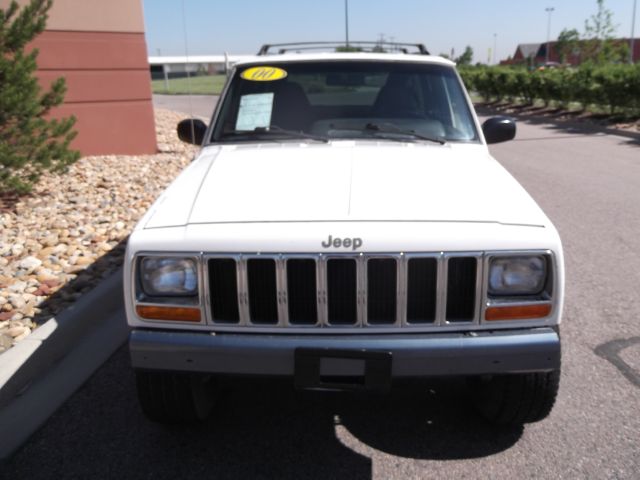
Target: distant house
{"x": 525, "y": 52}
{"x": 535, "y": 54}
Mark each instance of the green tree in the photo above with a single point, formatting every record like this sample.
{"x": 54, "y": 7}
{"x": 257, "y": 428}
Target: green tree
{"x": 466, "y": 58}
{"x": 567, "y": 43}
{"x": 30, "y": 142}
{"x": 600, "y": 45}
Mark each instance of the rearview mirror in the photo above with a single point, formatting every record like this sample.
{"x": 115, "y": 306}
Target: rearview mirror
{"x": 192, "y": 130}
{"x": 345, "y": 79}
{"x": 499, "y": 129}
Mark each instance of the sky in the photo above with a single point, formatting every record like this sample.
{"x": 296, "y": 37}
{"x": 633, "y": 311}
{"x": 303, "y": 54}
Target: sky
{"x": 212, "y": 27}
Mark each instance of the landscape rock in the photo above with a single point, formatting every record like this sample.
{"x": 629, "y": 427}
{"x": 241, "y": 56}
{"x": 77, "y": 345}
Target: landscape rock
{"x": 30, "y": 263}
{"x": 5, "y": 342}
{"x": 17, "y": 287}
{"x": 73, "y": 224}
{"x": 17, "y": 331}
{"x": 17, "y": 301}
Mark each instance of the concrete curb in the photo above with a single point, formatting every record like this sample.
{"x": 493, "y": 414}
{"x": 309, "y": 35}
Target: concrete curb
{"x": 42, "y": 371}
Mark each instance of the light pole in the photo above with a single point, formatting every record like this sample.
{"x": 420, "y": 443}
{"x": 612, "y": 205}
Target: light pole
{"x": 495, "y": 46}
{"x": 546, "y": 56}
{"x": 633, "y": 30}
{"x": 346, "y": 21}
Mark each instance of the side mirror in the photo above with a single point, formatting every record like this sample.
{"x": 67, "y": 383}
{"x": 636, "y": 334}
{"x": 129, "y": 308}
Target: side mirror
{"x": 499, "y": 129}
{"x": 192, "y": 130}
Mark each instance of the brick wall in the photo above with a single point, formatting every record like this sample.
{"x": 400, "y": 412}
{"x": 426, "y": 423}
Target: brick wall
{"x": 100, "y": 48}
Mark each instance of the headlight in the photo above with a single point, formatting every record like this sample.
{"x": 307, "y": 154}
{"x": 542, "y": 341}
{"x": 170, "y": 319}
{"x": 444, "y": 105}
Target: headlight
{"x": 168, "y": 276}
{"x": 524, "y": 275}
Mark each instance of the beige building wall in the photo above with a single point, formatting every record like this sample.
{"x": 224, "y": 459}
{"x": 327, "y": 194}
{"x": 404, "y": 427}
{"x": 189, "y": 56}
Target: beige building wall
{"x": 100, "y": 49}
{"x": 96, "y": 16}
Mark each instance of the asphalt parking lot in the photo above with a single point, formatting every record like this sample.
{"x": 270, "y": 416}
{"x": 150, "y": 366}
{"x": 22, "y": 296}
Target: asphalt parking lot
{"x": 589, "y": 185}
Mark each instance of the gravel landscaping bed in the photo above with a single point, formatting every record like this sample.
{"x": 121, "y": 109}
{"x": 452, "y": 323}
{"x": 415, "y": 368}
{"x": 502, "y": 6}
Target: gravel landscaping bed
{"x": 59, "y": 242}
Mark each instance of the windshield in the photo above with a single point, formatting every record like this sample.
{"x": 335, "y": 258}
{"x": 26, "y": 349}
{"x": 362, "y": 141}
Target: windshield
{"x": 320, "y": 101}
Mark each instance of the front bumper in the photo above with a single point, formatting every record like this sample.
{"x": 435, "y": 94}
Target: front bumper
{"x": 416, "y": 355}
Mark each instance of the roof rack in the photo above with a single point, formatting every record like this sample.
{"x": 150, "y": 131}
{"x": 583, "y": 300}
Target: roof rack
{"x": 360, "y": 46}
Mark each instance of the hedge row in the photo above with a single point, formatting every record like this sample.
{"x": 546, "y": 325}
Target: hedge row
{"x": 615, "y": 87}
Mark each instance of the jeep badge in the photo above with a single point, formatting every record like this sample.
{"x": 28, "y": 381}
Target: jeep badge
{"x": 353, "y": 243}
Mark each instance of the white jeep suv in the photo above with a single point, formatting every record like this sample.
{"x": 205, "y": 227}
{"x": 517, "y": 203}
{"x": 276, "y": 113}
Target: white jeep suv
{"x": 344, "y": 225}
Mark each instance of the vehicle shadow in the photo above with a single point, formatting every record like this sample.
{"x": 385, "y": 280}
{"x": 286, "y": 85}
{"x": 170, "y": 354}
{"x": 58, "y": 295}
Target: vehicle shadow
{"x": 633, "y": 142}
{"x": 431, "y": 421}
{"x": 259, "y": 429}
{"x": 566, "y": 126}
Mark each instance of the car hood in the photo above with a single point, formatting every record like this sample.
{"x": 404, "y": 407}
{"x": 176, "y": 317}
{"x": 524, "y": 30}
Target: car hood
{"x": 345, "y": 181}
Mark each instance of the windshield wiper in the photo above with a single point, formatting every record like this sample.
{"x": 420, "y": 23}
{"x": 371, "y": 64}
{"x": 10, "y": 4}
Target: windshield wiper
{"x": 391, "y": 128}
{"x": 277, "y": 131}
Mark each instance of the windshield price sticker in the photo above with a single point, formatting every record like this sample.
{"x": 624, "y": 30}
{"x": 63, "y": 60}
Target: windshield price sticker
{"x": 255, "y": 111}
{"x": 263, "y": 74}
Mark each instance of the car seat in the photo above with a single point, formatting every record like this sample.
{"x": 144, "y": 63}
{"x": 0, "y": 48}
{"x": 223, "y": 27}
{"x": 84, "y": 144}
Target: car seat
{"x": 291, "y": 108}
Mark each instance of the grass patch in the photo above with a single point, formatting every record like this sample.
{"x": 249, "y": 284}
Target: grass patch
{"x": 199, "y": 85}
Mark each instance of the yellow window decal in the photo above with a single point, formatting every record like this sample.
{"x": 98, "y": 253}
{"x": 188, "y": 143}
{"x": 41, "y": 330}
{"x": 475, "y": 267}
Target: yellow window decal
{"x": 263, "y": 74}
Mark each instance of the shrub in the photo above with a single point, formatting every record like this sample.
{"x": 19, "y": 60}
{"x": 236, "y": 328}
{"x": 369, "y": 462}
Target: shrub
{"x": 30, "y": 142}
{"x": 614, "y": 86}
{"x": 584, "y": 87}
{"x": 524, "y": 85}
{"x": 468, "y": 75}
{"x": 634, "y": 87}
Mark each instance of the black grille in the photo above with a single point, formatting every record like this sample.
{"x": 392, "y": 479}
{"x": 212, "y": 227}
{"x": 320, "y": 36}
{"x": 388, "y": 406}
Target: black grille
{"x": 381, "y": 291}
{"x": 461, "y": 289}
{"x": 223, "y": 287}
{"x": 422, "y": 279}
{"x": 338, "y": 300}
{"x": 302, "y": 291}
{"x": 342, "y": 289}
{"x": 263, "y": 305}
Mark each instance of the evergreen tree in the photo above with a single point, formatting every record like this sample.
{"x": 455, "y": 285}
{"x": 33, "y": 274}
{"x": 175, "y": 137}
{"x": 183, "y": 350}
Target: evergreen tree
{"x": 30, "y": 142}
{"x": 466, "y": 58}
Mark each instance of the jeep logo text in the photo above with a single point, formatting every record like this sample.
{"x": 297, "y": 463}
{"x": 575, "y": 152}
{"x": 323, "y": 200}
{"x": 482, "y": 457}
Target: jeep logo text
{"x": 353, "y": 243}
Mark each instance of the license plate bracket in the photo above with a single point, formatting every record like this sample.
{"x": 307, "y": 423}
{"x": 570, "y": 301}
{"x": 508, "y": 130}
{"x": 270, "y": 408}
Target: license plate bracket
{"x": 308, "y": 373}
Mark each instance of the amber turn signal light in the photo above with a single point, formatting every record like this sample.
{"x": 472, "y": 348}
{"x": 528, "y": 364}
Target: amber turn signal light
{"x": 178, "y": 314}
{"x": 518, "y": 312}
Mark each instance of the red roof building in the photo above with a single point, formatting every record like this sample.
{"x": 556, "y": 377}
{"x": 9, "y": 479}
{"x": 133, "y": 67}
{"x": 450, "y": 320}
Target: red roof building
{"x": 535, "y": 54}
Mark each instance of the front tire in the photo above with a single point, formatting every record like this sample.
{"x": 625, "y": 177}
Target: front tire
{"x": 170, "y": 398}
{"x": 516, "y": 399}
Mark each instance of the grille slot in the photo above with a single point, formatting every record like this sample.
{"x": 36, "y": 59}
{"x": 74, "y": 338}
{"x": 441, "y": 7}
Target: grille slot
{"x": 263, "y": 306}
{"x": 342, "y": 290}
{"x": 461, "y": 289}
{"x": 382, "y": 293}
{"x": 422, "y": 278}
{"x": 302, "y": 291}
{"x": 223, "y": 289}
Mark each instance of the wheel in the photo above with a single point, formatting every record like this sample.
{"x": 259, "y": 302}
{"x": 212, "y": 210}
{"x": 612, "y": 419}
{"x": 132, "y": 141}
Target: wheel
{"x": 168, "y": 397}
{"x": 516, "y": 399}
